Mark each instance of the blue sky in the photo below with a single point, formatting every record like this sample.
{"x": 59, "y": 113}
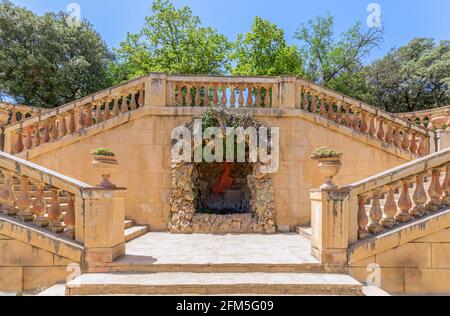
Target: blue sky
{"x": 404, "y": 19}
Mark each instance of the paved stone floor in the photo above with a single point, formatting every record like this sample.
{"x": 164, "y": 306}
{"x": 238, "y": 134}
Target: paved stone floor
{"x": 165, "y": 248}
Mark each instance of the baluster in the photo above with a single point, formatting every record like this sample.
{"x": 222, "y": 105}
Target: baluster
{"x": 389, "y": 134}
{"x": 124, "y": 105}
{"x": 232, "y": 97}
{"x": 249, "y": 102}
{"x": 23, "y": 201}
{"x": 305, "y": 102}
{"x": 330, "y": 113}
{"x": 7, "y": 195}
{"x": 372, "y": 127}
{"x": 116, "y": 109}
{"x": 397, "y": 137}
{"x": 89, "y": 119}
{"x": 215, "y": 94}
{"x": 19, "y": 142}
{"x": 322, "y": 105}
{"x": 98, "y": 113}
{"x": 314, "y": 103}
{"x": 363, "y": 220}
{"x": 404, "y": 203}
{"x": 188, "y": 95}
{"x": 206, "y": 92}
{"x": 224, "y": 96}
{"x": 267, "y": 102}
{"x": 69, "y": 218}
{"x": 107, "y": 111}
{"x": 63, "y": 126}
{"x": 375, "y": 214}
{"x": 339, "y": 117}
{"x": 390, "y": 208}
{"x": 363, "y": 126}
{"x": 405, "y": 140}
{"x": 422, "y": 151}
{"x": 46, "y": 135}
{"x": 356, "y": 122}
{"x": 39, "y": 206}
{"x": 380, "y": 133}
{"x": 413, "y": 146}
{"x": 28, "y": 137}
{"x": 81, "y": 119}
{"x": 54, "y": 133}
{"x": 435, "y": 190}
{"x": 13, "y": 116}
{"x": 37, "y": 135}
{"x": 446, "y": 186}
{"x": 72, "y": 125}
{"x": 180, "y": 99}
{"x": 54, "y": 213}
{"x": 141, "y": 99}
{"x": 258, "y": 96}
{"x": 241, "y": 96}
{"x": 419, "y": 197}
{"x": 347, "y": 115}
{"x": 133, "y": 105}
{"x": 198, "y": 98}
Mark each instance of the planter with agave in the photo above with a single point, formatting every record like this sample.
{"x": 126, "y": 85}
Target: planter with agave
{"x": 329, "y": 164}
{"x": 106, "y": 163}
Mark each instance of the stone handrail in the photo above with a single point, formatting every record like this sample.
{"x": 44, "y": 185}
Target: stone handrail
{"x": 76, "y": 211}
{"x": 161, "y": 90}
{"x": 424, "y": 118}
{"x": 353, "y": 213}
{"x": 363, "y": 118}
{"x": 13, "y": 113}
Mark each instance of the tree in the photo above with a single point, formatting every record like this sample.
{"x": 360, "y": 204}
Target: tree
{"x": 264, "y": 52}
{"x": 171, "y": 41}
{"x": 333, "y": 62}
{"x": 44, "y": 61}
{"x": 411, "y": 78}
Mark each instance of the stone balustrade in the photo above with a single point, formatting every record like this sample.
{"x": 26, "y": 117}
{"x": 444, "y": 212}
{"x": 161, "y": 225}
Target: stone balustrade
{"x": 37, "y": 196}
{"x": 386, "y": 127}
{"x": 14, "y": 113}
{"x": 344, "y": 216}
{"x": 424, "y": 118}
{"x": 246, "y": 93}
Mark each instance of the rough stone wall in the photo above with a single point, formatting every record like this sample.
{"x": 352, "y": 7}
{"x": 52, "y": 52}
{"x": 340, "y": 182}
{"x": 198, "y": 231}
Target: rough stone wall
{"x": 143, "y": 150}
{"x": 417, "y": 268}
{"x": 24, "y": 268}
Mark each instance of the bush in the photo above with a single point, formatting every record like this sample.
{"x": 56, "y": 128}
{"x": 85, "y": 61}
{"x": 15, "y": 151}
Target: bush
{"x": 325, "y": 152}
{"x": 103, "y": 152}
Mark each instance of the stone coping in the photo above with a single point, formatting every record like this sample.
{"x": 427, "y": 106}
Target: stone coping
{"x": 399, "y": 236}
{"x": 395, "y": 174}
{"x": 425, "y": 112}
{"x": 198, "y": 111}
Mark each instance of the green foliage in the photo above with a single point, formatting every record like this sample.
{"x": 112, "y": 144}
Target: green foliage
{"x": 103, "y": 152}
{"x": 411, "y": 78}
{"x": 172, "y": 41}
{"x": 44, "y": 61}
{"x": 325, "y": 152}
{"x": 333, "y": 62}
{"x": 264, "y": 52}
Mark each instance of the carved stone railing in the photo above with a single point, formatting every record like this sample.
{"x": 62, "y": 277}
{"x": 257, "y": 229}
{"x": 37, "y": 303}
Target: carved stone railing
{"x": 40, "y": 197}
{"x": 13, "y": 113}
{"x": 76, "y": 116}
{"x": 386, "y": 127}
{"x": 424, "y": 118}
{"x": 247, "y": 93}
{"x": 345, "y": 216}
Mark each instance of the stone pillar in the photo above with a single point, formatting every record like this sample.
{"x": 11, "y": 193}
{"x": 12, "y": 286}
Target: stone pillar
{"x": 104, "y": 215}
{"x": 329, "y": 223}
{"x": 443, "y": 138}
{"x": 156, "y": 93}
{"x": 288, "y": 92}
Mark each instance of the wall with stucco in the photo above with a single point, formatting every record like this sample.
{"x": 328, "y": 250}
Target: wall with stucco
{"x": 142, "y": 146}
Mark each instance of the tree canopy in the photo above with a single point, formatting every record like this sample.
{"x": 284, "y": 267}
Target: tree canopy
{"x": 264, "y": 51}
{"x": 44, "y": 61}
{"x": 173, "y": 41}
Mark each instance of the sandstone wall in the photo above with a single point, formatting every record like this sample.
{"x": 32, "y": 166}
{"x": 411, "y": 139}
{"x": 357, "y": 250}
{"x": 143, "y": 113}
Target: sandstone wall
{"x": 416, "y": 268}
{"x": 24, "y": 268}
{"x": 143, "y": 150}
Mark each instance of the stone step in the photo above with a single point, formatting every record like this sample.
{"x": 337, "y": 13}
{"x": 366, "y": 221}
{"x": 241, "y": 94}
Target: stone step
{"x": 181, "y": 283}
{"x": 134, "y": 232}
{"x": 305, "y": 231}
{"x": 129, "y": 223}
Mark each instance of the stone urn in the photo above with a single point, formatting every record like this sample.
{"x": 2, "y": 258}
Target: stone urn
{"x": 439, "y": 122}
{"x": 106, "y": 165}
{"x": 329, "y": 168}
